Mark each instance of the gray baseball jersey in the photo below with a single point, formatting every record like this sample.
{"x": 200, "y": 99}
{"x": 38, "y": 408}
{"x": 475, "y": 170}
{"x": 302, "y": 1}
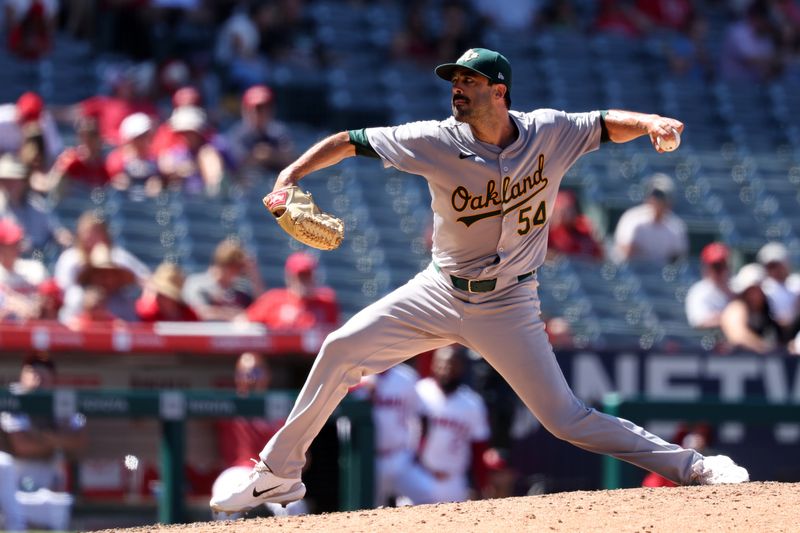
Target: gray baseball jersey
{"x": 490, "y": 205}
{"x": 491, "y": 209}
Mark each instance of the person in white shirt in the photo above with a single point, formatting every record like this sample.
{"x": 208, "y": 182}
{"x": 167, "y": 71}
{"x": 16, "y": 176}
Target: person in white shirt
{"x": 455, "y": 432}
{"x": 28, "y": 109}
{"x": 708, "y": 296}
{"x": 84, "y": 260}
{"x": 41, "y": 448}
{"x": 395, "y": 413}
{"x": 651, "y": 231}
{"x": 783, "y": 302}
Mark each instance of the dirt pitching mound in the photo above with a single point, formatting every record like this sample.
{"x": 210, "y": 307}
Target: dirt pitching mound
{"x": 762, "y": 507}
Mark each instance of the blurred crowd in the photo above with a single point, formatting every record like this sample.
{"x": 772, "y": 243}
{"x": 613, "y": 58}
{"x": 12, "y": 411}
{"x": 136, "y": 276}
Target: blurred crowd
{"x": 187, "y": 106}
{"x": 755, "y": 307}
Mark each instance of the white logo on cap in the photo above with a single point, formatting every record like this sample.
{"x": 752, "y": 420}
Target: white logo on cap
{"x": 500, "y": 76}
{"x": 468, "y": 55}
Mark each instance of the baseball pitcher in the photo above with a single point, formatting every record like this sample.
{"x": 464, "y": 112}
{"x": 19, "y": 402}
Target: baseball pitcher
{"x": 493, "y": 175}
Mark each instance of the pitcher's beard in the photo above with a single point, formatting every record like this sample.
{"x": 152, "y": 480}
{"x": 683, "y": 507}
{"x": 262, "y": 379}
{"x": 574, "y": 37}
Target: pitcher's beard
{"x": 461, "y": 115}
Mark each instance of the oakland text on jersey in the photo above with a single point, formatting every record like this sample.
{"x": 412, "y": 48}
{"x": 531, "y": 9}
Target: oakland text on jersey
{"x": 510, "y": 193}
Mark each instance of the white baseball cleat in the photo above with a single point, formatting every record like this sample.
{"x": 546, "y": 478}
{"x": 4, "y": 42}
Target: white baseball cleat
{"x": 717, "y": 470}
{"x": 261, "y": 486}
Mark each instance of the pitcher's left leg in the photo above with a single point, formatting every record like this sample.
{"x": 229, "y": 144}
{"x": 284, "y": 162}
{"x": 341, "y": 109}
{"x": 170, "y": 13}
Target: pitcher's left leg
{"x": 511, "y": 337}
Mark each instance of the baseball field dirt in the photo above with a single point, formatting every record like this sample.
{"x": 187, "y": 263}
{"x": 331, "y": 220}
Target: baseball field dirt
{"x": 750, "y": 507}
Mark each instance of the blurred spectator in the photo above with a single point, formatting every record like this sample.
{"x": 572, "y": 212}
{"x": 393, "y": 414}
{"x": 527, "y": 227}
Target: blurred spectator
{"x": 651, "y": 231}
{"x": 80, "y": 18}
{"x": 95, "y": 260}
{"x": 508, "y": 15}
{"x": 33, "y": 157}
{"x": 125, "y": 28}
{"x": 620, "y": 17}
{"x": 749, "y": 53}
{"x": 260, "y": 142}
{"x": 195, "y": 166}
{"x": 30, "y": 26}
{"x": 666, "y": 14}
{"x": 239, "y": 439}
{"x": 28, "y": 208}
{"x": 40, "y": 447}
{"x": 227, "y": 287}
{"x": 783, "y": 301}
{"x": 165, "y": 137}
{"x": 51, "y": 298}
{"x": 571, "y": 232}
{"x": 27, "y": 112}
{"x": 395, "y": 413}
{"x": 458, "y": 30}
{"x": 162, "y": 299}
{"x": 10, "y": 509}
{"x": 286, "y": 29}
{"x": 105, "y": 290}
{"x": 687, "y": 53}
{"x": 747, "y": 321}
{"x": 455, "y": 431}
{"x": 237, "y": 49}
{"x": 19, "y": 278}
{"x": 415, "y": 41}
{"x": 94, "y": 309}
{"x": 132, "y": 165}
{"x": 302, "y": 304}
{"x": 559, "y": 331}
{"x": 707, "y": 298}
{"x": 501, "y": 478}
{"x": 82, "y": 165}
{"x": 129, "y": 95}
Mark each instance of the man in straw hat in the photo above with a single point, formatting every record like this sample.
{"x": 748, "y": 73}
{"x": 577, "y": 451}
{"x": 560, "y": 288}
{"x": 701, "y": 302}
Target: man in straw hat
{"x": 94, "y": 259}
{"x": 162, "y": 299}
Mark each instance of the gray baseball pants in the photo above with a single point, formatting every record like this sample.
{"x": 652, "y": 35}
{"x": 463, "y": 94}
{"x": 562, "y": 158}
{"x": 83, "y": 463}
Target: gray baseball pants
{"x": 505, "y": 328}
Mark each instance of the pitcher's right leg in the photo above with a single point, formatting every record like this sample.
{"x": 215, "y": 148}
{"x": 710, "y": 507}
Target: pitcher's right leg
{"x": 414, "y": 318}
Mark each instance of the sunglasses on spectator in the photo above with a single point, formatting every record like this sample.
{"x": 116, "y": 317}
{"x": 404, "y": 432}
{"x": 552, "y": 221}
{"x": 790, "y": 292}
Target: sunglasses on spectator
{"x": 719, "y": 266}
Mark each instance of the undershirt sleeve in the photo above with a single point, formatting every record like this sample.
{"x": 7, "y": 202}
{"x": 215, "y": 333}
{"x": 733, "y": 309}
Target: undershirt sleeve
{"x": 359, "y": 139}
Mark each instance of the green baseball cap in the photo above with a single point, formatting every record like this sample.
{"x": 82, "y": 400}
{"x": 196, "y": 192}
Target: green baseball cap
{"x": 488, "y": 63}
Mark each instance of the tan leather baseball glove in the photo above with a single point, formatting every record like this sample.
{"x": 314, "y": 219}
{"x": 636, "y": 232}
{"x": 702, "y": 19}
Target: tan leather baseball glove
{"x": 300, "y": 217}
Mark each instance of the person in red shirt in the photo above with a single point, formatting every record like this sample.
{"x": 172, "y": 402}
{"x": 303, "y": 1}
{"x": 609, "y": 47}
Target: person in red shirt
{"x": 110, "y": 111}
{"x": 698, "y": 435}
{"x": 132, "y": 165}
{"x": 162, "y": 300}
{"x": 83, "y": 164}
{"x": 165, "y": 137}
{"x": 93, "y": 311}
{"x": 302, "y": 304}
{"x": 571, "y": 232}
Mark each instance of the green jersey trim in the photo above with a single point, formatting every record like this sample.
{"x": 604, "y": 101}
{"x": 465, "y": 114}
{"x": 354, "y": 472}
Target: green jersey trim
{"x": 604, "y": 137}
{"x": 359, "y": 139}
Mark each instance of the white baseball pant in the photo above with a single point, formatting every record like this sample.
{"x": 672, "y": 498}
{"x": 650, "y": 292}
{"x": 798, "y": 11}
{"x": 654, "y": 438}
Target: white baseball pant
{"x": 388, "y": 468}
{"x": 421, "y": 486}
{"x": 504, "y": 326}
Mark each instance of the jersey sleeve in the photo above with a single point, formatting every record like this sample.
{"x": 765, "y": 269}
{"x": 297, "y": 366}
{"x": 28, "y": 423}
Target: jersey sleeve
{"x": 403, "y": 146}
{"x": 580, "y": 132}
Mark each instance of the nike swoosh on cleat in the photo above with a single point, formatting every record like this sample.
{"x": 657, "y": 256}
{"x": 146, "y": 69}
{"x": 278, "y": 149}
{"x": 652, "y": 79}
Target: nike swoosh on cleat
{"x": 464, "y": 155}
{"x": 258, "y": 493}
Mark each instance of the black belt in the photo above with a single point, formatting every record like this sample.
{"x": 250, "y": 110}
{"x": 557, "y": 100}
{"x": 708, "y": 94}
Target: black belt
{"x": 479, "y": 285}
